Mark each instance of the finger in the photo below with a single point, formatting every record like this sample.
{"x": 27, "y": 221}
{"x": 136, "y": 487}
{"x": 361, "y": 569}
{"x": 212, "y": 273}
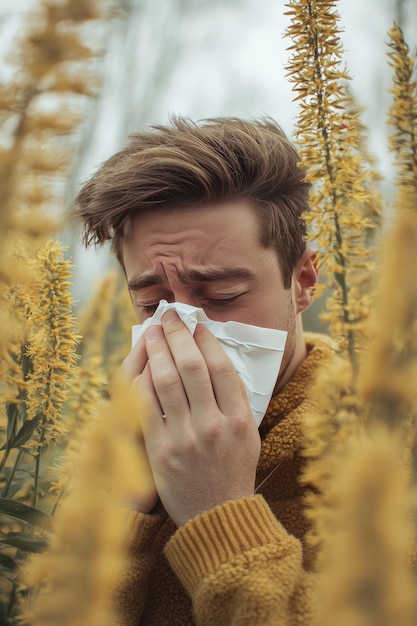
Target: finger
{"x": 166, "y": 379}
{"x": 151, "y": 421}
{"x": 189, "y": 362}
{"x": 228, "y": 388}
{"x": 135, "y": 362}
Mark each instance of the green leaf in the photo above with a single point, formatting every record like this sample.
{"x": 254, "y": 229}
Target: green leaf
{"x": 17, "y": 540}
{"x": 12, "y": 413}
{"x": 7, "y": 562}
{"x": 12, "y": 490}
{"x": 25, "y": 432}
{"x": 21, "y": 511}
{"x": 24, "y": 470}
{"x": 10, "y": 575}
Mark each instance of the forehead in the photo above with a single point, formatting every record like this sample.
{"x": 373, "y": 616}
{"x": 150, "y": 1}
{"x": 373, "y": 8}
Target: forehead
{"x": 204, "y": 232}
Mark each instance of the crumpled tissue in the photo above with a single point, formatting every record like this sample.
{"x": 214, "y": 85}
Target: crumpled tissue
{"x": 255, "y": 352}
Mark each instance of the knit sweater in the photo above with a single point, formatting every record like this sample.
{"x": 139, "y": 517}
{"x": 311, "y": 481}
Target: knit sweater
{"x": 244, "y": 562}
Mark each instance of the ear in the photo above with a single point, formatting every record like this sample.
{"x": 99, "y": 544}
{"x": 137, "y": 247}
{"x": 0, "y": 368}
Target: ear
{"x": 305, "y": 278}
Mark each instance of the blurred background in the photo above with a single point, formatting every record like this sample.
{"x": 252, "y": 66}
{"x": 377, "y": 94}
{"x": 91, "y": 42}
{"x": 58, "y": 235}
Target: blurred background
{"x": 203, "y": 58}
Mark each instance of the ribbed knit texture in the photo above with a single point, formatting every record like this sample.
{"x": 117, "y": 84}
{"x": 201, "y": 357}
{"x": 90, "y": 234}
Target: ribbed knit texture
{"x": 201, "y": 548}
{"x": 244, "y": 562}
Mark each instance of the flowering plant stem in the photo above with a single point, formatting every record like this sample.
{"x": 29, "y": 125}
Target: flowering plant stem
{"x": 328, "y": 134}
{"x": 10, "y": 479}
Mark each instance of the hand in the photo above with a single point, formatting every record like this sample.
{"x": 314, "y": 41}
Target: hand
{"x": 205, "y": 451}
{"x": 133, "y": 366}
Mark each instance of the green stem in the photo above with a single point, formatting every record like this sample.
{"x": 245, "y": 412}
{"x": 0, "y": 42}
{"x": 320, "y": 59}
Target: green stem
{"x": 36, "y": 481}
{"x": 4, "y": 459}
{"x": 57, "y": 500}
{"x": 12, "y": 473}
{"x": 340, "y": 277}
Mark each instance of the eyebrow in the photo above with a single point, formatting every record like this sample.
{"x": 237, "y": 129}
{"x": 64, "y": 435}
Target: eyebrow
{"x": 193, "y": 276}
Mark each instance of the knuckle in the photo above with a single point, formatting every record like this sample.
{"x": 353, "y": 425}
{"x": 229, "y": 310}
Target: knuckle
{"x": 167, "y": 381}
{"x": 212, "y": 432}
{"x": 241, "y": 425}
{"x": 223, "y": 366}
{"x": 190, "y": 444}
{"x": 166, "y": 455}
{"x": 170, "y": 455}
{"x": 192, "y": 365}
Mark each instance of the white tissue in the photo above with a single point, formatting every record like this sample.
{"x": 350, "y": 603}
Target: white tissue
{"x": 255, "y": 352}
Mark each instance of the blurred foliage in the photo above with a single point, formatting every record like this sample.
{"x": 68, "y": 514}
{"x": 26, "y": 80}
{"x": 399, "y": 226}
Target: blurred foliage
{"x": 361, "y": 442}
{"x": 361, "y": 434}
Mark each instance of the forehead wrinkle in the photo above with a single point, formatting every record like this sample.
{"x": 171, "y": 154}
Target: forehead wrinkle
{"x": 192, "y": 275}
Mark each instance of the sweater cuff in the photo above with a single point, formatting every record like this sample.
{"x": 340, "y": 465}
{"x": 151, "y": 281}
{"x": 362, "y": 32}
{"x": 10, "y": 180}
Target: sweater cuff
{"x": 215, "y": 537}
{"x": 141, "y": 529}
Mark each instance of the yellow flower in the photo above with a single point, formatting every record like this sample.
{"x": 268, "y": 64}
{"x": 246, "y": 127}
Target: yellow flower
{"x": 52, "y": 344}
{"x": 368, "y": 537}
{"x": 51, "y": 61}
{"x": 77, "y": 575}
{"x": 403, "y": 111}
{"x": 95, "y": 320}
{"x": 330, "y": 140}
{"x": 389, "y": 367}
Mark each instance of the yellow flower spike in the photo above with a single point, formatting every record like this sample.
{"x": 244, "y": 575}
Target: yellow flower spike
{"x": 329, "y": 137}
{"x": 369, "y": 536}
{"x": 363, "y": 582}
{"x": 52, "y": 67}
{"x": 389, "y": 368}
{"x": 106, "y": 322}
{"x": 52, "y": 357}
{"x": 124, "y": 319}
{"x": 403, "y": 111}
{"x": 95, "y": 319}
{"x": 77, "y": 575}
{"x": 52, "y": 61}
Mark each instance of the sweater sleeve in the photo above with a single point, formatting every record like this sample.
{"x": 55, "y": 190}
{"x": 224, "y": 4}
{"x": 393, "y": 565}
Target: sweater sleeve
{"x": 240, "y": 566}
{"x": 131, "y": 594}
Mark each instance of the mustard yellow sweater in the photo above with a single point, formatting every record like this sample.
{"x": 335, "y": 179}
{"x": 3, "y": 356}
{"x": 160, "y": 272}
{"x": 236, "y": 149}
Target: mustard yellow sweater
{"x": 244, "y": 562}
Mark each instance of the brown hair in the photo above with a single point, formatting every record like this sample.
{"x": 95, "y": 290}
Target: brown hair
{"x": 191, "y": 164}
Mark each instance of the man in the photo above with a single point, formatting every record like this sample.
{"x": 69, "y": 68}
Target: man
{"x": 210, "y": 215}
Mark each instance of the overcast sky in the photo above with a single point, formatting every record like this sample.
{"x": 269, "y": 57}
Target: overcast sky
{"x": 232, "y": 57}
{"x": 226, "y": 59}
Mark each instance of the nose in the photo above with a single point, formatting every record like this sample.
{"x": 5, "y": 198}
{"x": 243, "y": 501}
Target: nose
{"x": 185, "y": 296}
{"x": 180, "y": 291}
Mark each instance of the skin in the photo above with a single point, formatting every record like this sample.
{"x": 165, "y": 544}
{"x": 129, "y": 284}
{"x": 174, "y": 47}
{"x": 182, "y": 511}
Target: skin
{"x": 206, "y": 450}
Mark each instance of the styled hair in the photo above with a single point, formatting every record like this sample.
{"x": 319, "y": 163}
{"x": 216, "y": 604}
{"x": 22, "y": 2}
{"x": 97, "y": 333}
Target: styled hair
{"x": 187, "y": 164}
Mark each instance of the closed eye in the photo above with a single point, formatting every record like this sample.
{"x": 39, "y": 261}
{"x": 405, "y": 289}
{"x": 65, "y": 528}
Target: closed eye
{"x": 220, "y": 302}
{"x": 149, "y": 309}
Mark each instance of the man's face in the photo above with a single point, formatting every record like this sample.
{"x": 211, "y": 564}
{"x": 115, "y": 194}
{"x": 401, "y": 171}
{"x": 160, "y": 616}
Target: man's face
{"x": 209, "y": 257}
